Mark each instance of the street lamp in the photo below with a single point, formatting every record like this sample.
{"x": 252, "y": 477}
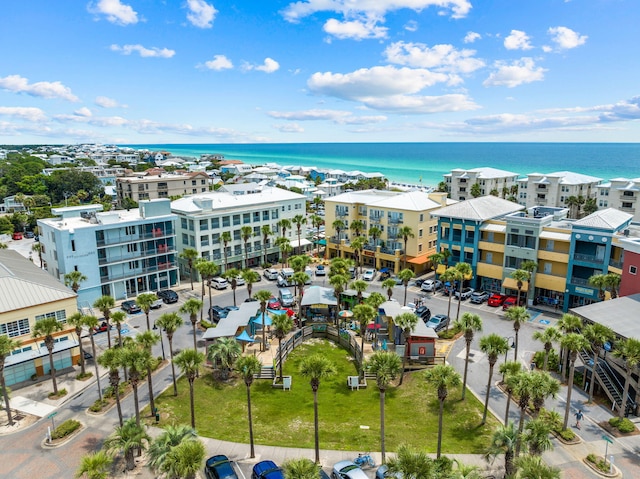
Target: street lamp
{"x": 511, "y": 346}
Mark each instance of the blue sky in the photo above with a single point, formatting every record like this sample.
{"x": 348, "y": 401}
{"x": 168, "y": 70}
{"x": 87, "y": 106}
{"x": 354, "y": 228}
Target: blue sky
{"x": 202, "y": 71}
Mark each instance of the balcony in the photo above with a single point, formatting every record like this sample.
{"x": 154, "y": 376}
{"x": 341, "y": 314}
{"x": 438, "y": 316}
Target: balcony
{"x": 157, "y": 233}
{"x": 134, "y": 273}
{"x": 393, "y": 220}
{"x": 588, "y": 258}
{"x": 136, "y": 255}
{"x": 580, "y": 281}
{"x": 342, "y": 213}
{"x": 375, "y": 219}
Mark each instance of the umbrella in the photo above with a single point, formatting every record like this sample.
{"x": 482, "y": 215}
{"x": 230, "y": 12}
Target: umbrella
{"x": 345, "y": 314}
{"x": 244, "y": 336}
{"x": 258, "y": 320}
{"x": 290, "y": 312}
{"x": 374, "y": 326}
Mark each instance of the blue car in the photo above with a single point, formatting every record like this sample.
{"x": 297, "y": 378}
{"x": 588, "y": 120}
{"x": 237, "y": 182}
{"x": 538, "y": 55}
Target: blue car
{"x": 266, "y": 470}
{"x": 219, "y": 467}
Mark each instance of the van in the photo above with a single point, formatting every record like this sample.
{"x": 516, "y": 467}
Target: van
{"x": 286, "y": 298}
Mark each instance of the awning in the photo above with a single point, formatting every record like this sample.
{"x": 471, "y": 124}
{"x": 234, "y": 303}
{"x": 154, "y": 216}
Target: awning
{"x": 258, "y": 320}
{"x": 322, "y": 242}
{"x": 553, "y": 235}
{"x": 422, "y": 259}
{"x": 303, "y": 242}
{"x": 41, "y": 352}
{"x": 513, "y": 284}
{"x": 244, "y": 336}
{"x": 441, "y": 268}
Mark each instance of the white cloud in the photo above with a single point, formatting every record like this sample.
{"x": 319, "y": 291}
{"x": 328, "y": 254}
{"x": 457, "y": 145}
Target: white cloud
{"x": 144, "y": 51}
{"x": 289, "y": 128}
{"x": 565, "y": 38}
{"x": 23, "y": 113}
{"x": 517, "y": 40}
{"x": 342, "y": 117}
{"x": 106, "y": 102}
{"x": 355, "y": 29}
{"x": 201, "y": 14}
{"x": 43, "y": 89}
{"x": 219, "y": 62}
{"x": 269, "y": 66}
{"x": 439, "y": 57}
{"x": 84, "y": 111}
{"x": 471, "y": 37}
{"x": 115, "y": 11}
{"x": 514, "y": 74}
{"x": 413, "y": 104}
{"x": 372, "y": 8}
{"x": 411, "y": 26}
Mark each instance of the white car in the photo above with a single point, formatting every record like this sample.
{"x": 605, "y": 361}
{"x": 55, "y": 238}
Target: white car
{"x": 347, "y": 470}
{"x": 369, "y": 274}
{"x": 219, "y": 283}
{"x": 271, "y": 274}
{"x": 431, "y": 285}
{"x": 321, "y": 270}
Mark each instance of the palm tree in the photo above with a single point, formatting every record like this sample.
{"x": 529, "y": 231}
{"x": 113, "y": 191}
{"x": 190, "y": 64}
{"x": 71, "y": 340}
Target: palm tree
{"x": 299, "y": 220}
{"x": 145, "y": 301}
{"x": 405, "y": 232}
{"x": 226, "y": 352}
{"x": 357, "y": 226}
{"x": 629, "y": 351}
{"x": 547, "y": 337}
{"x": 442, "y": 377}
{"x": 266, "y": 232}
{"x": 338, "y": 226}
{"x": 316, "y": 367}
{"x": 612, "y": 281}
{"x": 405, "y": 276}
{"x": 77, "y": 321}
{"x": 95, "y": 465}
{"x": 207, "y": 270}
{"x": 504, "y": 441}
{"x": 105, "y": 304}
{"x": 389, "y": 284}
{"x": 7, "y": 345}
{"x": 282, "y": 324}
{"x": 246, "y": 232}
{"x": 170, "y": 322}
{"x": 533, "y": 467}
{"x": 191, "y": 307}
{"x": 232, "y": 275}
{"x": 317, "y": 221}
{"x": 573, "y": 343}
{"x": 189, "y": 255}
{"x": 225, "y": 238}
{"x": 46, "y": 328}
{"x": 146, "y": 341}
{"x": 493, "y": 346}
{"x": 190, "y": 361}
{"x": 185, "y": 460}
{"x": 509, "y": 369}
{"x": 357, "y": 244}
{"x": 250, "y": 277}
{"x": 599, "y": 281}
{"x": 529, "y": 266}
{"x": 597, "y": 335}
{"x": 301, "y": 468}
{"x": 284, "y": 224}
{"x": 162, "y": 445}
{"x": 544, "y": 386}
{"x": 364, "y": 314}
{"x": 248, "y": 367}
{"x": 520, "y": 276}
{"x": 263, "y": 296}
{"x": 338, "y": 282}
{"x": 519, "y": 315}
{"x": 136, "y": 360}
{"x": 91, "y": 322}
{"x": 569, "y": 323}
{"x": 386, "y": 366}
{"x": 118, "y": 318}
{"x": 469, "y": 323}
{"x": 113, "y": 359}
{"x": 522, "y": 385}
{"x": 37, "y": 247}
{"x": 300, "y": 279}
{"x": 375, "y": 233}
{"x": 285, "y": 247}
{"x": 410, "y": 463}
{"x": 464, "y": 270}
{"x": 407, "y": 322}
{"x": 128, "y": 438}
{"x": 536, "y": 436}
{"x": 449, "y": 276}
{"x": 73, "y": 279}
{"x": 360, "y": 286}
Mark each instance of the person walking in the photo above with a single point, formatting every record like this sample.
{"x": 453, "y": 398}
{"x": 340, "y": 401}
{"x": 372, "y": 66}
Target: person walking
{"x": 579, "y": 417}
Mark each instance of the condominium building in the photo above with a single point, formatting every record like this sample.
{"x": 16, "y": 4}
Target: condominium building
{"x": 381, "y": 215}
{"x": 203, "y": 218}
{"x": 554, "y": 189}
{"x": 28, "y": 295}
{"x": 460, "y": 181}
{"x": 620, "y": 193}
{"x": 161, "y": 185}
{"x": 121, "y": 253}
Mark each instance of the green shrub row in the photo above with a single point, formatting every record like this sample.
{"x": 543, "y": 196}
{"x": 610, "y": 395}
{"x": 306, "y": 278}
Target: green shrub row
{"x": 64, "y": 429}
{"x": 623, "y": 425}
{"x": 98, "y": 405}
{"x": 206, "y": 324}
{"x": 599, "y": 463}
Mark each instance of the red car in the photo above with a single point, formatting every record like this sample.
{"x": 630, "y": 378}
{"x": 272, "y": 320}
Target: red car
{"x": 273, "y": 303}
{"x": 496, "y": 300}
{"x": 101, "y": 328}
{"x": 509, "y": 302}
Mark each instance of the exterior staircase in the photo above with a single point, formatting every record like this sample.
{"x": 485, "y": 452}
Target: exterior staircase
{"x": 607, "y": 379}
{"x": 267, "y": 372}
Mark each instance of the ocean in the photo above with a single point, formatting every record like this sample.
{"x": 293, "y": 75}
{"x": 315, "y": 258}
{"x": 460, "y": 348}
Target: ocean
{"x": 426, "y": 163}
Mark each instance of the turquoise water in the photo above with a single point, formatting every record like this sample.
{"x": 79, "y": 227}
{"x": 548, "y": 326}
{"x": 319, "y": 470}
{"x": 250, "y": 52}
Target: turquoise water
{"x": 428, "y": 162}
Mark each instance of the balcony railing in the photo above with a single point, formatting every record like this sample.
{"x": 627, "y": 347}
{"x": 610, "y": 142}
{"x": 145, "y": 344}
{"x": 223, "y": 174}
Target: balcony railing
{"x": 395, "y": 221}
{"x": 105, "y": 278}
{"x": 158, "y": 233}
{"x": 591, "y": 258}
{"x": 580, "y": 281}
{"x": 376, "y": 219}
{"x": 615, "y": 264}
{"x": 137, "y": 255}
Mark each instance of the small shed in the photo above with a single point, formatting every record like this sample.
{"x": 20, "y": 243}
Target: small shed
{"x": 318, "y": 305}
{"x": 422, "y": 342}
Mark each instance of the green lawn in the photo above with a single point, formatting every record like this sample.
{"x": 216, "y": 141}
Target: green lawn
{"x": 285, "y": 418}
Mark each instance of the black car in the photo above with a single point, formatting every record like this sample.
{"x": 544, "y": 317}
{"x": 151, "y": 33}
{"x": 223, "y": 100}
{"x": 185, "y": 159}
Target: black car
{"x": 29, "y": 234}
{"x": 167, "y": 296}
{"x": 424, "y": 313}
{"x": 216, "y": 313}
{"x": 219, "y": 467}
{"x": 130, "y": 307}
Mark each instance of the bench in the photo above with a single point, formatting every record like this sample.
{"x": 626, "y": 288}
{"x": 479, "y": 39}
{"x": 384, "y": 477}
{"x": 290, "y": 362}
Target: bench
{"x": 354, "y": 382}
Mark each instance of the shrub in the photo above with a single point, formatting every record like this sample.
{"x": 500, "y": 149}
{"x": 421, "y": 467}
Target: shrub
{"x": 600, "y": 464}
{"x": 553, "y": 363}
{"x": 623, "y": 425}
{"x": 615, "y": 421}
{"x": 61, "y": 392}
{"x": 206, "y": 324}
{"x": 98, "y": 405}
{"x": 64, "y": 429}
{"x": 566, "y": 434}
{"x": 448, "y": 334}
{"x": 108, "y": 392}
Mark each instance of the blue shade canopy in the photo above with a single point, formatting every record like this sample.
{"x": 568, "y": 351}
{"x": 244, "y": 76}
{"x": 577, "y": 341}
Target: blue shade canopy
{"x": 244, "y": 336}
{"x": 258, "y": 320}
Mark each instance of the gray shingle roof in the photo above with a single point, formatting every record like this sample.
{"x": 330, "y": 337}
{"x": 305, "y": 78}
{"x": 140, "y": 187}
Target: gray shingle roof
{"x": 608, "y": 219}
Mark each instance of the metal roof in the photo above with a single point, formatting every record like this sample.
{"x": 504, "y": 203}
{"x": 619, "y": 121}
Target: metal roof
{"x": 620, "y": 314}
{"x": 479, "y": 209}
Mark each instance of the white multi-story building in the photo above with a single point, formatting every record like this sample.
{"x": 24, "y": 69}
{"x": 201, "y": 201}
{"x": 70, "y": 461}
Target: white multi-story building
{"x": 204, "y": 217}
{"x": 122, "y": 253}
{"x": 553, "y": 189}
{"x": 620, "y": 193}
{"x": 459, "y": 182}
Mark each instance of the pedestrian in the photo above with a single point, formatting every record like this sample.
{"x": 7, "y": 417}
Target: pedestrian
{"x": 579, "y": 417}
{"x": 532, "y": 366}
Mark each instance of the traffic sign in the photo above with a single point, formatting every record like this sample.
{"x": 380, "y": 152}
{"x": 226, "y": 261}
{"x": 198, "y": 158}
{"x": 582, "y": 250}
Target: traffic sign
{"x": 608, "y": 439}
{"x": 52, "y": 414}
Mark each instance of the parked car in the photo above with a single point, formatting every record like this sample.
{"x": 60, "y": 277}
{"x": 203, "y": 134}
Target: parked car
{"x": 320, "y": 270}
{"x": 369, "y": 274}
{"x": 219, "y": 283}
{"x": 479, "y": 297}
{"x": 510, "y": 301}
{"x": 309, "y": 272}
{"x": 464, "y": 294}
{"x": 347, "y": 470}
{"x": 101, "y": 328}
{"x": 157, "y": 303}
{"x": 29, "y": 234}
{"x": 16, "y": 236}
{"x": 397, "y": 280}
{"x": 273, "y": 303}
{"x": 219, "y": 467}
{"x": 216, "y": 313}
{"x": 418, "y": 282}
{"x": 496, "y": 300}
{"x": 431, "y": 285}
{"x": 130, "y": 307}
{"x": 383, "y": 473}
{"x": 352, "y": 272}
{"x": 240, "y": 281}
{"x": 438, "y": 322}
{"x": 266, "y": 470}
{"x": 286, "y": 298}
{"x": 385, "y": 273}
{"x": 168, "y": 296}
{"x": 424, "y": 313}
{"x": 270, "y": 274}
